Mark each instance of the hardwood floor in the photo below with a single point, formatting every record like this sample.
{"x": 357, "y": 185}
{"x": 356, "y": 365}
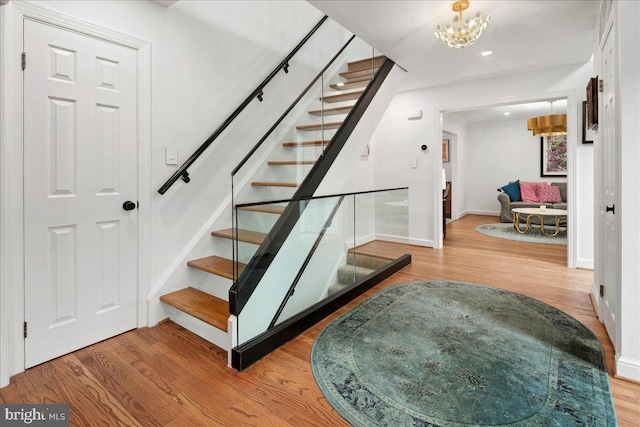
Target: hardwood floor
{"x": 166, "y": 376}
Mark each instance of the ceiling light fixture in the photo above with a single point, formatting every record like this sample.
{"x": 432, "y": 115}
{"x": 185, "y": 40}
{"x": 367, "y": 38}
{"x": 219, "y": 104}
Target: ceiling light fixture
{"x": 486, "y": 53}
{"x": 462, "y": 33}
{"x": 506, "y": 113}
{"x": 551, "y": 125}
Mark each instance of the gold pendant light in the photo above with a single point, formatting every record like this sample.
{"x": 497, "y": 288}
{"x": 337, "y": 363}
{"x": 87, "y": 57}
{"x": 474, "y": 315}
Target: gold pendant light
{"x": 551, "y": 125}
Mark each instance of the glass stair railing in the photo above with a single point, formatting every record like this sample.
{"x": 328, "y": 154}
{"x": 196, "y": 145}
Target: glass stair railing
{"x": 282, "y": 159}
{"x": 337, "y": 244}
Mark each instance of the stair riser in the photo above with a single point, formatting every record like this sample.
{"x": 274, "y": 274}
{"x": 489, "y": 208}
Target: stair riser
{"x": 212, "y": 334}
{"x": 366, "y": 63}
{"x": 289, "y": 173}
{"x": 256, "y": 221}
{"x": 366, "y": 261}
{"x": 349, "y": 275}
{"x": 212, "y": 284}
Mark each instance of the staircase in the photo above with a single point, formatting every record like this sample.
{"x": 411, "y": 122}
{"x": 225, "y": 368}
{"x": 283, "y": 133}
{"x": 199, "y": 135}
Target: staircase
{"x": 360, "y": 264}
{"x": 280, "y": 176}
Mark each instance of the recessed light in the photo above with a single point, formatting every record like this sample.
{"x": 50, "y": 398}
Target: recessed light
{"x": 340, "y": 84}
{"x": 507, "y": 113}
{"x": 486, "y": 53}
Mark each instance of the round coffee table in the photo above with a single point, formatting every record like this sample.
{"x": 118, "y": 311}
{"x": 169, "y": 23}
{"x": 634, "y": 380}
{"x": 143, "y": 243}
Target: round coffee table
{"x": 540, "y": 213}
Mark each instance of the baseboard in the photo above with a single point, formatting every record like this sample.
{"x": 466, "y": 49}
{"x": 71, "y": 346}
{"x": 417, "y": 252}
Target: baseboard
{"x": 481, "y": 212}
{"x": 628, "y": 369}
{"x": 462, "y": 214}
{"x": 594, "y": 303}
{"x": 586, "y": 264}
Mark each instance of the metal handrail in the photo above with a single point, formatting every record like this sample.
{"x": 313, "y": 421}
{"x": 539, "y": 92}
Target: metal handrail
{"x": 257, "y": 93}
{"x": 293, "y": 104}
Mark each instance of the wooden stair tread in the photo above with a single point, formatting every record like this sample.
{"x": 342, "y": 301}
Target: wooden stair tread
{"x": 319, "y": 126}
{"x": 331, "y": 111}
{"x": 247, "y": 236}
{"x": 216, "y": 265}
{"x": 272, "y": 209}
{"x": 305, "y": 143}
{"x": 367, "y": 72}
{"x": 290, "y": 162}
{"x": 351, "y": 84}
{"x": 274, "y": 184}
{"x": 366, "y": 63}
{"x": 349, "y": 96}
{"x": 200, "y": 305}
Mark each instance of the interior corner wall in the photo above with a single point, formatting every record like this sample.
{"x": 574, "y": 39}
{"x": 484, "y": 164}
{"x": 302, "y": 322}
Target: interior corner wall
{"x": 207, "y": 57}
{"x": 397, "y": 140}
{"x": 458, "y": 166}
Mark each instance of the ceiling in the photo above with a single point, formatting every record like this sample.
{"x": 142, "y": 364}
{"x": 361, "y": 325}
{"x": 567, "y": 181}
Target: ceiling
{"x": 517, "y": 113}
{"x": 523, "y": 35}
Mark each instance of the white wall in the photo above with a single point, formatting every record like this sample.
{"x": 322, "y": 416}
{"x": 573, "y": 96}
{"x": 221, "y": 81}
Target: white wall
{"x": 206, "y": 58}
{"x": 496, "y": 155}
{"x": 627, "y": 16}
{"x": 458, "y": 176}
{"x": 397, "y": 140}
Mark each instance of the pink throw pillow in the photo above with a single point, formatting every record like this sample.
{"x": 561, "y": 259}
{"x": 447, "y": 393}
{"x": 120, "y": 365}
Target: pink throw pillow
{"x": 549, "y": 193}
{"x": 529, "y": 191}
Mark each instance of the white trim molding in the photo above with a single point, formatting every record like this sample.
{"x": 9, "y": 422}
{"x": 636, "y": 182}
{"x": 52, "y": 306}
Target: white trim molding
{"x": 12, "y": 17}
{"x": 572, "y": 141}
{"x": 627, "y": 368}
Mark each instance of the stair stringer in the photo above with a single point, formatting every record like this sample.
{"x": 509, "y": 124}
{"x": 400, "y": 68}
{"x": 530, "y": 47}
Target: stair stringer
{"x": 338, "y": 176}
{"x": 257, "y": 168}
{"x": 179, "y": 275}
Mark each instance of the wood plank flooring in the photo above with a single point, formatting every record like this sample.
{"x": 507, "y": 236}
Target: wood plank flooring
{"x": 167, "y": 376}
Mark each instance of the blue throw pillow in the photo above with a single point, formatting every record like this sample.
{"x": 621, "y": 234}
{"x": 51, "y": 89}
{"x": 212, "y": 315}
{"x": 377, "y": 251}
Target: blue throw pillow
{"x": 513, "y": 191}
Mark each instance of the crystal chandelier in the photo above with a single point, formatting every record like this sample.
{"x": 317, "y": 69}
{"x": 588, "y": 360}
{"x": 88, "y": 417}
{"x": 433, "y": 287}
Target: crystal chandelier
{"x": 462, "y": 33}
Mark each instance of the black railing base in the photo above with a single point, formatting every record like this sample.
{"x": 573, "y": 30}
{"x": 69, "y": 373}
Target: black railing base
{"x": 250, "y": 352}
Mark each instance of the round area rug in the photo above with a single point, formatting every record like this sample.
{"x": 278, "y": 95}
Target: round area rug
{"x": 452, "y": 354}
{"x": 506, "y": 231}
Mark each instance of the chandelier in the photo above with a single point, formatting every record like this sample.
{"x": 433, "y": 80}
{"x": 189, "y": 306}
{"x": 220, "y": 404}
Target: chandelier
{"x": 462, "y": 33}
{"x": 551, "y": 125}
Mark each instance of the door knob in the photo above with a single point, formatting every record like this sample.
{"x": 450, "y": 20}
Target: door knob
{"x": 611, "y": 209}
{"x": 128, "y": 205}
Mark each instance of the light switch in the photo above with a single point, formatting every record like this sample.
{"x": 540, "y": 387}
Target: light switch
{"x": 414, "y": 163}
{"x": 171, "y": 155}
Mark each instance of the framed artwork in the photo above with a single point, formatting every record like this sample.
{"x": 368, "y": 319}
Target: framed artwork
{"x": 553, "y": 155}
{"x": 586, "y": 133}
{"x": 592, "y": 103}
{"x": 445, "y": 151}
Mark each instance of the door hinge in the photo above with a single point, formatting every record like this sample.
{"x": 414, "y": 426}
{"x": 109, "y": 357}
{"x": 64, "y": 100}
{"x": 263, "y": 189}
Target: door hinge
{"x": 25, "y": 329}
{"x": 601, "y": 85}
{"x": 601, "y": 290}
{"x": 24, "y": 61}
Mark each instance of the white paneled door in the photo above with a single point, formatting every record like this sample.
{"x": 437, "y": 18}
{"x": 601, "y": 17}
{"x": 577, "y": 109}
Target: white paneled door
{"x": 80, "y": 167}
{"x": 609, "y": 165}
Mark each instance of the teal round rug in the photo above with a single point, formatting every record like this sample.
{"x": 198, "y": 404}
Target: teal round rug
{"x": 453, "y": 354}
{"x": 534, "y": 235}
